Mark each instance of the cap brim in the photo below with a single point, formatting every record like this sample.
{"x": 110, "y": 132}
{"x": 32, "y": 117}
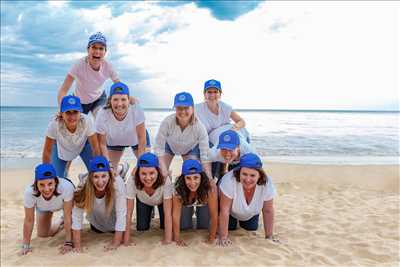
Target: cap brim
{"x": 226, "y": 146}
{"x": 183, "y": 105}
{"x": 72, "y": 108}
{"x": 212, "y": 86}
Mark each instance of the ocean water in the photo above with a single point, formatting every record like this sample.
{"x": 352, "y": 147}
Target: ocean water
{"x": 288, "y": 136}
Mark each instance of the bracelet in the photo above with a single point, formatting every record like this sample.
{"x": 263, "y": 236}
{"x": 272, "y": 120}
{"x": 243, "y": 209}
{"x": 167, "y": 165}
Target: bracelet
{"x": 26, "y": 246}
{"x": 68, "y": 243}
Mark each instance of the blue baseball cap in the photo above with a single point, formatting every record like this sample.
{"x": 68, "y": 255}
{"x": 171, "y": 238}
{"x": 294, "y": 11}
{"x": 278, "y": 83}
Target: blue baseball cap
{"x": 71, "y": 102}
{"x": 119, "y": 88}
{"x": 147, "y": 160}
{"x": 98, "y": 37}
{"x": 99, "y": 164}
{"x": 45, "y": 171}
{"x": 191, "y": 166}
{"x": 229, "y": 140}
{"x": 212, "y": 84}
{"x": 183, "y": 99}
{"x": 250, "y": 160}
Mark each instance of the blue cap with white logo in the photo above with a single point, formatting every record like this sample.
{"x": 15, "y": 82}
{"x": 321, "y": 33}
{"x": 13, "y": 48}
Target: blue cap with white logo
{"x": 119, "y": 88}
{"x": 191, "y": 166}
{"x": 98, "y": 37}
{"x": 250, "y": 160}
{"x": 212, "y": 84}
{"x": 229, "y": 140}
{"x": 99, "y": 164}
{"x": 147, "y": 160}
{"x": 71, "y": 102}
{"x": 183, "y": 99}
{"x": 45, "y": 171}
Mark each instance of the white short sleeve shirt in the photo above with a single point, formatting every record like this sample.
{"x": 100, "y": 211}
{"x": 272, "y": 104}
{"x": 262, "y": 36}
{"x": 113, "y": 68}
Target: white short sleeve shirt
{"x": 162, "y": 192}
{"x": 99, "y": 218}
{"x": 209, "y": 119}
{"x": 66, "y": 193}
{"x": 70, "y": 145}
{"x": 89, "y": 82}
{"x": 234, "y": 190}
{"x": 120, "y": 133}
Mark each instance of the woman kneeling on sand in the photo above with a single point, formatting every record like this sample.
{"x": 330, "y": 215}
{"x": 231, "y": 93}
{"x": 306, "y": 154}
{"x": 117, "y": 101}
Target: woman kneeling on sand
{"x": 47, "y": 195}
{"x": 194, "y": 189}
{"x": 150, "y": 189}
{"x": 103, "y": 198}
{"x": 244, "y": 192}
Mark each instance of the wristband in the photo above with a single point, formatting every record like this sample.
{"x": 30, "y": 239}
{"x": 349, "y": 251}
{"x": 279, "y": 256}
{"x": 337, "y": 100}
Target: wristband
{"x": 26, "y": 246}
{"x": 68, "y": 243}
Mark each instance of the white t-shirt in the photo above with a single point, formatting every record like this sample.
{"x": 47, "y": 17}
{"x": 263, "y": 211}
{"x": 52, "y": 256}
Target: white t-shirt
{"x": 70, "y": 145}
{"x": 66, "y": 193}
{"x": 209, "y": 119}
{"x": 88, "y": 81}
{"x": 99, "y": 218}
{"x": 120, "y": 133}
{"x": 181, "y": 142}
{"x": 234, "y": 190}
{"x": 162, "y": 192}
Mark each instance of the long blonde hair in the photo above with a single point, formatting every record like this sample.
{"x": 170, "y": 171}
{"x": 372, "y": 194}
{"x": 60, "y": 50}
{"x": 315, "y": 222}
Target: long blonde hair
{"x": 84, "y": 197}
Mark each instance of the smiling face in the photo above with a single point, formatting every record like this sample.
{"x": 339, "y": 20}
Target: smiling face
{"x": 148, "y": 176}
{"x": 100, "y": 181}
{"x": 46, "y": 187}
{"x": 71, "y": 118}
{"x": 249, "y": 177}
{"x": 120, "y": 104}
{"x": 184, "y": 114}
{"x": 230, "y": 155}
{"x": 193, "y": 181}
{"x": 212, "y": 95}
{"x": 96, "y": 53}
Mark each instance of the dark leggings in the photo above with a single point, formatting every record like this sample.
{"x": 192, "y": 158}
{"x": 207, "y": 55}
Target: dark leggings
{"x": 143, "y": 215}
{"x": 249, "y": 225}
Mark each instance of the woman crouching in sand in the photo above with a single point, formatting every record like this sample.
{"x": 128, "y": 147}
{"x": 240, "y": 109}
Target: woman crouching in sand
{"x": 150, "y": 189}
{"x": 244, "y": 192}
{"x": 194, "y": 189}
{"x": 103, "y": 198}
{"x": 47, "y": 195}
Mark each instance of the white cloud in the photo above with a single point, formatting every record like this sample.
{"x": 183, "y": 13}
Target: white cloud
{"x": 62, "y": 58}
{"x": 322, "y": 55}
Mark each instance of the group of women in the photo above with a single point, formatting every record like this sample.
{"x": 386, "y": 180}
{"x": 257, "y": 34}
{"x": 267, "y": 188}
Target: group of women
{"x": 201, "y": 134}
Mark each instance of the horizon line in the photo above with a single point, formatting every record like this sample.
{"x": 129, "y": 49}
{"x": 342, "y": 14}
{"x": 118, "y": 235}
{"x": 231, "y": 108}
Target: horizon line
{"x": 250, "y": 109}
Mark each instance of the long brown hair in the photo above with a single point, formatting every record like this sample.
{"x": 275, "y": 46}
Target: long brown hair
{"x": 262, "y": 180}
{"x": 84, "y": 196}
{"x": 159, "y": 182}
{"x": 36, "y": 191}
{"x": 202, "y": 192}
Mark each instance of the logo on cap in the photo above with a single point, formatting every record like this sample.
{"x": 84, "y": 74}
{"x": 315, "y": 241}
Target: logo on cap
{"x": 71, "y": 101}
{"x": 227, "y": 138}
{"x": 182, "y": 97}
{"x": 118, "y": 89}
{"x": 212, "y": 82}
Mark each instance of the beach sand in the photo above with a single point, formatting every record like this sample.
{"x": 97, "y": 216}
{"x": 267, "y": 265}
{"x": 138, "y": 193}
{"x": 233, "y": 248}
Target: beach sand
{"x": 325, "y": 215}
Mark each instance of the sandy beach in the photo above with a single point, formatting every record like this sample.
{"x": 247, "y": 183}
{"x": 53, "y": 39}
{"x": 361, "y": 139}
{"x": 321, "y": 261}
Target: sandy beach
{"x": 341, "y": 215}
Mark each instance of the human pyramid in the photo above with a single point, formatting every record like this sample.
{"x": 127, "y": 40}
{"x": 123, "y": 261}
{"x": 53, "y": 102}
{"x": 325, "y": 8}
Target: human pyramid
{"x": 222, "y": 180}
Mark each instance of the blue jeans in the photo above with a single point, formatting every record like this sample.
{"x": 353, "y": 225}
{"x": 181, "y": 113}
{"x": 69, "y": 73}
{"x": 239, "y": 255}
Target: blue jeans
{"x": 249, "y": 225}
{"x": 202, "y": 217}
{"x": 143, "y": 215}
{"x": 135, "y": 147}
{"x": 59, "y": 164}
{"x": 195, "y": 151}
{"x": 101, "y": 101}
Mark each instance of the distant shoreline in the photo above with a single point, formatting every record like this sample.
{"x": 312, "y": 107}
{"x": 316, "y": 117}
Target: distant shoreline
{"x": 249, "y": 110}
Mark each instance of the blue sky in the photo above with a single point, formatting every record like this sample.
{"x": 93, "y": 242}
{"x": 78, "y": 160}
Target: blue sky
{"x": 294, "y": 55}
